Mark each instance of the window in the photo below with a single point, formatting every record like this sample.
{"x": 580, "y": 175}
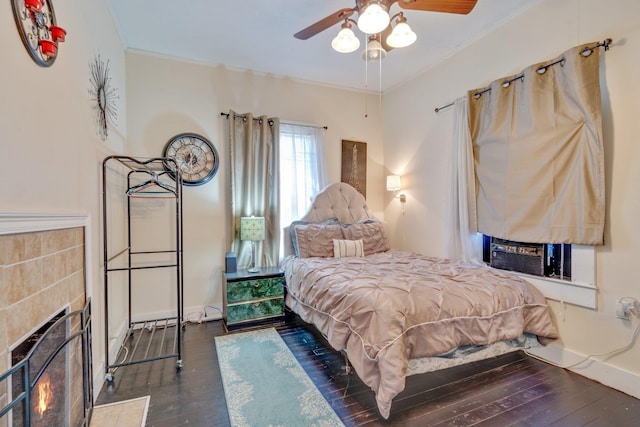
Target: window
{"x": 302, "y": 170}
{"x": 538, "y": 259}
{"x": 576, "y": 284}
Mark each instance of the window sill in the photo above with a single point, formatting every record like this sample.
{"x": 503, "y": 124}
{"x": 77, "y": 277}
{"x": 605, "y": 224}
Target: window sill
{"x": 581, "y": 294}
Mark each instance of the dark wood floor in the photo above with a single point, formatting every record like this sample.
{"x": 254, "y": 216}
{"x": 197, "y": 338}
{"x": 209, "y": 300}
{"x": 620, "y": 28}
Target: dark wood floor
{"x": 509, "y": 390}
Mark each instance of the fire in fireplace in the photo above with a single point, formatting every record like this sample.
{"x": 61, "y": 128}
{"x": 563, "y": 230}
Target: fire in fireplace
{"x": 43, "y": 396}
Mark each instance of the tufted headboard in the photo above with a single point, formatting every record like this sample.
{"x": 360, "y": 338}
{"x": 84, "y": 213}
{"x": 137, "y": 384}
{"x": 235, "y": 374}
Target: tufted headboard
{"x": 339, "y": 200}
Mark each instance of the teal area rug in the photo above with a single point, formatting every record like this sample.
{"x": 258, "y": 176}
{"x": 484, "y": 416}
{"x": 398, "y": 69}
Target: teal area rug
{"x": 264, "y": 384}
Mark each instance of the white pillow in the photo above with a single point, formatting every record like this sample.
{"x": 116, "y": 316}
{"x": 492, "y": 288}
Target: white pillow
{"x": 347, "y": 248}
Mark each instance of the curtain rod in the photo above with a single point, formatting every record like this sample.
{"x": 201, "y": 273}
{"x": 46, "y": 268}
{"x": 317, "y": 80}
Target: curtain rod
{"x": 239, "y": 116}
{"x": 606, "y": 43}
{"x": 258, "y": 119}
{"x": 305, "y": 126}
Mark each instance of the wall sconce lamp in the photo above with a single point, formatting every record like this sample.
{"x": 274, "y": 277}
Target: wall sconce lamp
{"x": 252, "y": 229}
{"x": 394, "y": 184}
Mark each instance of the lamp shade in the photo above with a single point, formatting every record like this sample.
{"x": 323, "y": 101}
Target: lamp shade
{"x": 252, "y": 228}
{"x": 373, "y": 19}
{"x": 402, "y": 35}
{"x": 393, "y": 183}
{"x": 374, "y": 50}
{"x": 346, "y": 41}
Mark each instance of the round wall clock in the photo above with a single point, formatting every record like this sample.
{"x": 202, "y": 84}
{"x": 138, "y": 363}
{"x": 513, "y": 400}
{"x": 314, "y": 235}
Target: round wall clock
{"x": 196, "y": 157}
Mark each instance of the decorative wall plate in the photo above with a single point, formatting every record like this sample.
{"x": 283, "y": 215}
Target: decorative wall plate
{"x": 103, "y": 96}
{"x": 36, "y": 22}
{"x": 197, "y": 158}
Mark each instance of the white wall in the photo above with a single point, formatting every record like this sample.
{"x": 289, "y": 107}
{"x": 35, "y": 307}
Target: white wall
{"x": 49, "y": 146}
{"x": 51, "y": 154}
{"x": 166, "y": 97}
{"x": 418, "y": 146}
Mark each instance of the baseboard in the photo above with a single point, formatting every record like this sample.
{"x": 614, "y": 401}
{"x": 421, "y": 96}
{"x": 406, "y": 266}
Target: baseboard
{"x": 199, "y": 314}
{"x": 115, "y": 342}
{"x": 98, "y": 381}
{"x": 611, "y": 376}
{"x": 195, "y": 314}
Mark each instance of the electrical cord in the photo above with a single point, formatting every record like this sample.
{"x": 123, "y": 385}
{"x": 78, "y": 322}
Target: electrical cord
{"x": 213, "y": 307}
{"x": 199, "y": 315}
{"x": 634, "y": 337}
{"x": 124, "y": 359}
{"x": 347, "y": 372}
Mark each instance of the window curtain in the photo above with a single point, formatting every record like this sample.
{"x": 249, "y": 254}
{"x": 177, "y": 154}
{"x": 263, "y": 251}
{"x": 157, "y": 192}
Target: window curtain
{"x": 464, "y": 243}
{"x": 255, "y": 185}
{"x": 303, "y": 172}
{"x": 538, "y": 152}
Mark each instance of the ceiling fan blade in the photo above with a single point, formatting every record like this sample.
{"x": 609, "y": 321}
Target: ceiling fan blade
{"x": 461, "y": 7}
{"x": 325, "y": 23}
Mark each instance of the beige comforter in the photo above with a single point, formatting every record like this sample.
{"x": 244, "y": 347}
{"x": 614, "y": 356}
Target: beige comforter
{"x": 386, "y": 308}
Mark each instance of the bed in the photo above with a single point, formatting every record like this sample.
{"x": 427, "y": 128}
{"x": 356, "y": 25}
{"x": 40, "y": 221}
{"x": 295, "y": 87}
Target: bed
{"x": 386, "y": 308}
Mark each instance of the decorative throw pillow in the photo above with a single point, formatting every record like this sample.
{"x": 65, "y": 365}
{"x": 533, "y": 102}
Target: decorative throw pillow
{"x": 373, "y": 236}
{"x": 316, "y": 240}
{"x": 362, "y": 221}
{"x": 347, "y": 248}
{"x": 292, "y": 231}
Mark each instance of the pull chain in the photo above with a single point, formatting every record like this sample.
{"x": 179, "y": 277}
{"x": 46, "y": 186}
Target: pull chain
{"x": 366, "y": 79}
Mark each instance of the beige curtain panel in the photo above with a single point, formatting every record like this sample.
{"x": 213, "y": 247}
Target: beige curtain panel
{"x": 255, "y": 183}
{"x": 538, "y": 153}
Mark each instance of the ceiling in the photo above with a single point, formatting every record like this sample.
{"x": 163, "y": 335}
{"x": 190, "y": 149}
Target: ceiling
{"x": 257, "y": 35}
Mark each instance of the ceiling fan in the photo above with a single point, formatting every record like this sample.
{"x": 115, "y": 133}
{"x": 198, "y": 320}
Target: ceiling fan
{"x": 374, "y": 20}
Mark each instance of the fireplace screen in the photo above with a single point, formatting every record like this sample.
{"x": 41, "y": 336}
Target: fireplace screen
{"x": 50, "y": 377}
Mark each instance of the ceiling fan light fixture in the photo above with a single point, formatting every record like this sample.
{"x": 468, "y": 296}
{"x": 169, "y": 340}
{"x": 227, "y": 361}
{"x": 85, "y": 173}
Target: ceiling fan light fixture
{"x": 402, "y": 34}
{"x": 374, "y": 50}
{"x": 346, "y": 41}
{"x": 373, "y": 18}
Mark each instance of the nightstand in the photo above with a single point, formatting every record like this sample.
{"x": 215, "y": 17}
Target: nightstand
{"x": 253, "y": 298}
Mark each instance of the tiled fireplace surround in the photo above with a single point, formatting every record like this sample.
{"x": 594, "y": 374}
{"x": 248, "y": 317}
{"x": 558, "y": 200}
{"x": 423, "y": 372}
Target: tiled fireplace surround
{"x": 41, "y": 273}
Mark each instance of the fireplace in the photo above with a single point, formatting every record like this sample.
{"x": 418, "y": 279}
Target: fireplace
{"x": 50, "y": 380}
{"x": 48, "y": 397}
{"x": 45, "y": 347}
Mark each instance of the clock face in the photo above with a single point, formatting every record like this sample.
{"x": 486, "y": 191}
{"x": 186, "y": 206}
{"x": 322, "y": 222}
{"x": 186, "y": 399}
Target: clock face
{"x": 196, "y": 157}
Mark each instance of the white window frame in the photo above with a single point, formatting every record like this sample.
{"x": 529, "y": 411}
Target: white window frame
{"x": 316, "y": 172}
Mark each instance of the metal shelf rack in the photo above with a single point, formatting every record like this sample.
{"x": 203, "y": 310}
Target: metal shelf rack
{"x": 155, "y": 339}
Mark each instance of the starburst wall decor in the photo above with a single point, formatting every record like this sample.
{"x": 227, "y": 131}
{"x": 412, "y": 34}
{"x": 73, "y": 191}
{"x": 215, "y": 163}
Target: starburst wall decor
{"x": 103, "y": 96}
